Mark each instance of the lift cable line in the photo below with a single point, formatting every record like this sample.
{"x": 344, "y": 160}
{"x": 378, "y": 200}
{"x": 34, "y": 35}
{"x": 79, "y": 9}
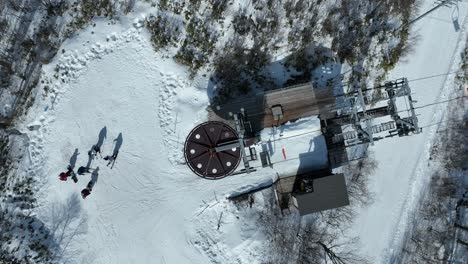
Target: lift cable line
{"x": 213, "y": 157}
{"x": 435, "y": 103}
{"x": 296, "y": 135}
{"x": 441, "y": 3}
{"x": 442, "y": 121}
{"x": 335, "y": 108}
{"x": 338, "y": 85}
{"x": 446, "y": 3}
{"x": 406, "y": 110}
{"x": 400, "y": 111}
{"x": 433, "y": 76}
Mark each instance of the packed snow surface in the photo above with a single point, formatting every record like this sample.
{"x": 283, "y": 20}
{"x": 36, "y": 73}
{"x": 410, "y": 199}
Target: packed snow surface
{"x": 141, "y": 210}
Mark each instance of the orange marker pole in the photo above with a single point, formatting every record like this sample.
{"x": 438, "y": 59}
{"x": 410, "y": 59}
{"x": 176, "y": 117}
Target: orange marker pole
{"x": 284, "y": 153}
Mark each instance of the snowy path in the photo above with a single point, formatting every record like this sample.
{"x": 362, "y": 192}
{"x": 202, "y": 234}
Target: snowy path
{"x": 143, "y": 210}
{"x": 401, "y": 172}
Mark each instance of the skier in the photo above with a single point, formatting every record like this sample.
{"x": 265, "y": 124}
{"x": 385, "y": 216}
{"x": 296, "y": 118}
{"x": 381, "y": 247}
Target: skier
{"x": 94, "y": 151}
{"x": 87, "y": 191}
{"x": 97, "y": 149}
{"x": 112, "y": 158}
{"x": 63, "y": 176}
{"x": 71, "y": 173}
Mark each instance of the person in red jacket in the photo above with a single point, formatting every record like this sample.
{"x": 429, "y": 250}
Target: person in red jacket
{"x": 63, "y": 176}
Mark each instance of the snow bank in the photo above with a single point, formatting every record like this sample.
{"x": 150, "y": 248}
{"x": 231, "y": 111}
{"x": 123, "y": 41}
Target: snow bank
{"x": 251, "y": 188}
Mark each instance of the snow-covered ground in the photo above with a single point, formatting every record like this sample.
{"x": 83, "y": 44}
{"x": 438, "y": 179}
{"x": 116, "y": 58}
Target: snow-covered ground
{"x": 401, "y": 174}
{"x": 150, "y": 207}
{"x": 142, "y": 210}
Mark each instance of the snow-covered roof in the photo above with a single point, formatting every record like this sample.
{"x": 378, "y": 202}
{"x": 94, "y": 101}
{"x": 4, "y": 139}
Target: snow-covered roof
{"x": 294, "y": 148}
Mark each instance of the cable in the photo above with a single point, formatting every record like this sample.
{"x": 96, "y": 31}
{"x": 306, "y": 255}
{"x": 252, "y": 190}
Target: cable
{"x": 444, "y": 120}
{"x": 331, "y": 106}
{"x": 434, "y": 103}
{"x": 254, "y": 100}
{"x": 432, "y": 76}
{"x": 319, "y": 130}
{"x": 445, "y": 101}
{"x": 297, "y": 135}
{"x": 338, "y": 95}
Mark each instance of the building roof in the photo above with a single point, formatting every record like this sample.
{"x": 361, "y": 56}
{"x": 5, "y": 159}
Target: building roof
{"x": 296, "y": 102}
{"x": 323, "y": 194}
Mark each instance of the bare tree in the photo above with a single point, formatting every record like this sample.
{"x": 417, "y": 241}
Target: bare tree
{"x": 319, "y": 243}
{"x": 358, "y": 174}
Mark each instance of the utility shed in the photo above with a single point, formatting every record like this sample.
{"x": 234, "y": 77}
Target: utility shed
{"x": 319, "y": 194}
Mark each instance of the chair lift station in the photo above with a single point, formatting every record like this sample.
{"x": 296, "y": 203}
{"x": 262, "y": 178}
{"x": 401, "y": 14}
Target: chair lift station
{"x": 213, "y": 150}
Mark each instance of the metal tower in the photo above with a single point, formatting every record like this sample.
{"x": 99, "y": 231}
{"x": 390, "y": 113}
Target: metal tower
{"x": 360, "y": 115}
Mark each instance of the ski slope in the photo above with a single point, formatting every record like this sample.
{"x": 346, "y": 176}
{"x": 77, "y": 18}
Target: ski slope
{"x": 142, "y": 210}
{"x": 402, "y": 162}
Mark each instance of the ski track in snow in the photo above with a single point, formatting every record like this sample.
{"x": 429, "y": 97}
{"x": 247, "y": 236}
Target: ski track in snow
{"x": 70, "y": 66}
{"x": 141, "y": 210}
{"x": 420, "y": 168}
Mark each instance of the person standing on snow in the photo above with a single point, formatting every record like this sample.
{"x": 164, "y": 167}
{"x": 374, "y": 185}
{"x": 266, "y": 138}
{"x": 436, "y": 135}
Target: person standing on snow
{"x": 87, "y": 191}
{"x": 63, "y": 176}
{"x": 111, "y": 159}
{"x": 94, "y": 151}
{"x": 70, "y": 173}
{"x": 97, "y": 149}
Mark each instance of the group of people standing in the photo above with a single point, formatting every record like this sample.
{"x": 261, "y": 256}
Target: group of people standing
{"x": 92, "y": 154}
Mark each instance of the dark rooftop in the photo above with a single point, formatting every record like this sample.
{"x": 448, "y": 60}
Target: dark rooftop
{"x": 322, "y": 194}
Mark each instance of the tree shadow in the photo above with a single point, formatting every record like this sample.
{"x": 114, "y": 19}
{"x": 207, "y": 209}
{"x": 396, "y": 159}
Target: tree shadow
{"x": 67, "y": 220}
{"x": 73, "y": 158}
